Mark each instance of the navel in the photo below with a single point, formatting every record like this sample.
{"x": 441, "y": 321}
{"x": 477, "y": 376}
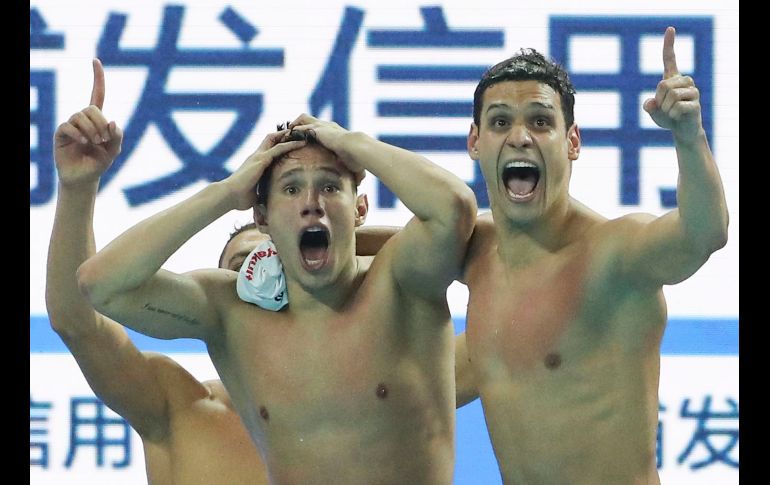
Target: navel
{"x": 552, "y": 361}
{"x": 382, "y": 391}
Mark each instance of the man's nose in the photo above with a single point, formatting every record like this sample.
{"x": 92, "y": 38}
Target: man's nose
{"x": 519, "y": 136}
{"x": 312, "y": 205}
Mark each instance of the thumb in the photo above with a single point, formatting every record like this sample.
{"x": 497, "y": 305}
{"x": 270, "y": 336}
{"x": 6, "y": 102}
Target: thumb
{"x": 116, "y": 136}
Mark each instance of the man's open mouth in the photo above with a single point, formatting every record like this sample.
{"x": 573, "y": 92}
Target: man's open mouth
{"x": 314, "y": 247}
{"x": 521, "y": 178}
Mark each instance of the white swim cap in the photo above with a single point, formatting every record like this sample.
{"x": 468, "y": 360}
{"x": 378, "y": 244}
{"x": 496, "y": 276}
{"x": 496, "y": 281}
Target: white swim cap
{"x": 261, "y": 280}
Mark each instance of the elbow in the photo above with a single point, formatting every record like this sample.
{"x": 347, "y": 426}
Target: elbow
{"x": 722, "y": 241}
{"x": 706, "y": 245}
{"x": 708, "y": 234}
{"x": 718, "y": 237}
{"x": 65, "y": 317}
{"x": 719, "y": 241}
{"x": 90, "y": 284}
{"x": 65, "y": 332}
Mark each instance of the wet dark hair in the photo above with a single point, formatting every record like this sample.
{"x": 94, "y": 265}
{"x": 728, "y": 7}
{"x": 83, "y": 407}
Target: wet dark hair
{"x": 237, "y": 231}
{"x": 263, "y": 186}
{"x": 525, "y": 65}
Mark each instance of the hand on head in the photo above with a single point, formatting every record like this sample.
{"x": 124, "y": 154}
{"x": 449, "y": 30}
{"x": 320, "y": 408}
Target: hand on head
{"x": 331, "y": 136}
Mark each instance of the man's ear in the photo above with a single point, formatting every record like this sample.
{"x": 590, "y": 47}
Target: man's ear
{"x": 362, "y": 208}
{"x": 472, "y": 142}
{"x": 573, "y": 138}
{"x": 260, "y": 218}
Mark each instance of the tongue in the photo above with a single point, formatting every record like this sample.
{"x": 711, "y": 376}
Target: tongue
{"x": 313, "y": 253}
{"x": 521, "y": 186}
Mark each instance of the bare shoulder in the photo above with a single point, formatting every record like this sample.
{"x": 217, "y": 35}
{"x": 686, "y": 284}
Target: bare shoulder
{"x": 214, "y": 279}
{"x": 219, "y": 285}
{"x": 607, "y": 244}
{"x": 167, "y": 369}
{"x": 621, "y": 229}
{"x": 180, "y": 386}
{"x": 633, "y": 220}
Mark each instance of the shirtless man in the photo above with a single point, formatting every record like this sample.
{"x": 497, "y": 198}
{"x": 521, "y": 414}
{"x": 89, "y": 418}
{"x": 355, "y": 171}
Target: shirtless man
{"x": 352, "y": 382}
{"x": 189, "y": 429}
{"x": 566, "y": 311}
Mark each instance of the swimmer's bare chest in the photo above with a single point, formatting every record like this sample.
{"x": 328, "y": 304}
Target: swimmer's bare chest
{"x": 530, "y": 316}
{"x": 302, "y": 374}
{"x": 560, "y": 330}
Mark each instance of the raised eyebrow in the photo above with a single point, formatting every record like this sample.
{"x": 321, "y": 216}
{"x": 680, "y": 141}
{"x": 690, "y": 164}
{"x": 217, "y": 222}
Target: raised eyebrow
{"x": 290, "y": 173}
{"x": 332, "y": 171}
{"x": 298, "y": 170}
{"x": 546, "y": 106}
{"x": 498, "y": 106}
{"x": 533, "y": 104}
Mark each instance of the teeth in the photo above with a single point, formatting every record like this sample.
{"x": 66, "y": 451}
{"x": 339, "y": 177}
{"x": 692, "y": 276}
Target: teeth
{"x": 314, "y": 229}
{"x": 520, "y": 164}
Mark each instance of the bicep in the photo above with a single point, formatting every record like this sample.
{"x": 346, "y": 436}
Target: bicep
{"x": 657, "y": 251}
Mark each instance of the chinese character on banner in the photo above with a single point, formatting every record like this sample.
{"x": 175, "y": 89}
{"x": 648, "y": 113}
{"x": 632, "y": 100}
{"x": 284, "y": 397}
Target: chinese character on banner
{"x": 38, "y": 446}
{"x": 706, "y": 435}
{"x": 156, "y": 105}
{"x": 333, "y": 89}
{"x": 630, "y": 82}
{"x": 42, "y": 112}
{"x": 89, "y": 425}
{"x": 436, "y": 36}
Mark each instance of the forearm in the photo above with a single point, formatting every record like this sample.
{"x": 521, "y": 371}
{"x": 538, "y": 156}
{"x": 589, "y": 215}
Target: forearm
{"x": 72, "y": 242}
{"x": 428, "y": 190}
{"x": 136, "y": 255}
{"x": 700, "y": 196}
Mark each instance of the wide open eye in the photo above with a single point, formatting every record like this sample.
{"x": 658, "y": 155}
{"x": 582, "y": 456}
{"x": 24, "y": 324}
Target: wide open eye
{"x": 331, "y": 188}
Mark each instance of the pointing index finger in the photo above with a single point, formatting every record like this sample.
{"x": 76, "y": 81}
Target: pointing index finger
{"x": 97, "y": 92}
{"x": 669, "y": 57}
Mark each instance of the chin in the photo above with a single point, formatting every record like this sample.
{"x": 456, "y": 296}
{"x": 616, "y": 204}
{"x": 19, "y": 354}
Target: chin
{"x": 521, "y": 215}
{"x": 316, "y": 279}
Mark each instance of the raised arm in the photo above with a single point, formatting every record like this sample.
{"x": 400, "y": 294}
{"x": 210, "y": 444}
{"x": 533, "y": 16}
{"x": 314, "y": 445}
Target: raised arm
{"x": 428, "y": 253}
{"x": 671, "y": 248}
{"x": 125, "y": 280}
{"x": 112, "y": 365}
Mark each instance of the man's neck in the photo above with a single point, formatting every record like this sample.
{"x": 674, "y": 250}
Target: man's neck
{"x": 331, "y": 297}
{"x": 520, "y": 244}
